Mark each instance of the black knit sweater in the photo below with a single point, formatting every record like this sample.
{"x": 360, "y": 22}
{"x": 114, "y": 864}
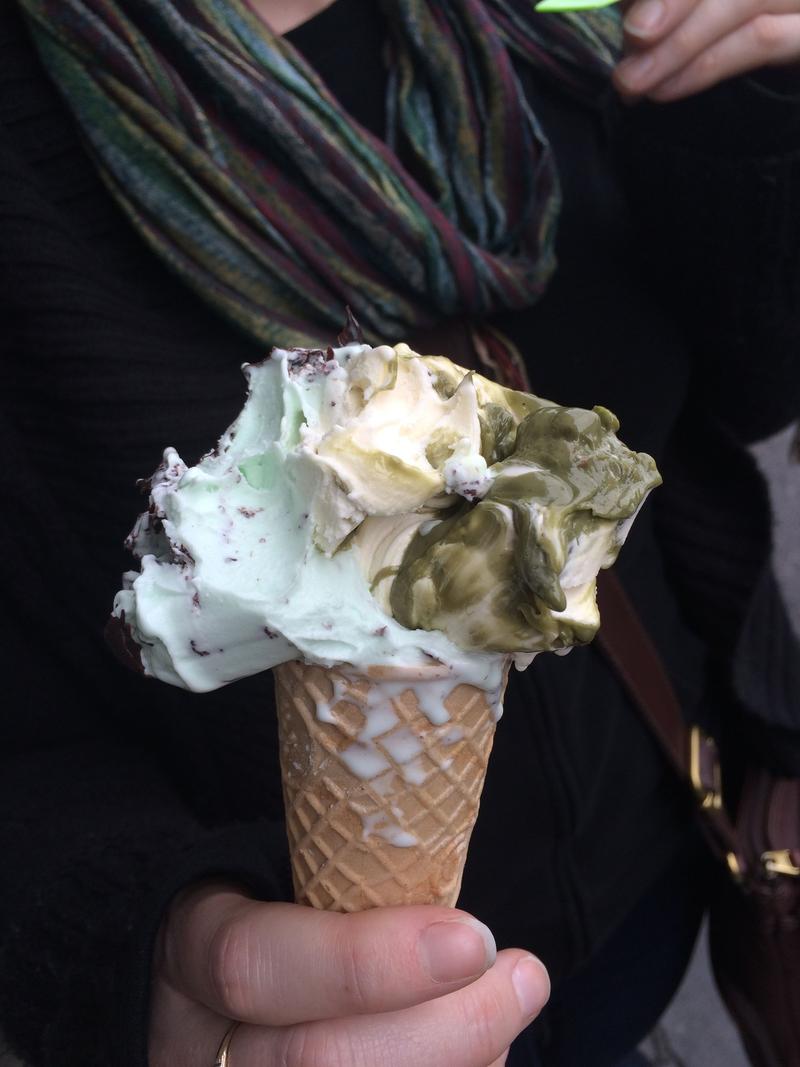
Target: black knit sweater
{"x": 675, "y": 304}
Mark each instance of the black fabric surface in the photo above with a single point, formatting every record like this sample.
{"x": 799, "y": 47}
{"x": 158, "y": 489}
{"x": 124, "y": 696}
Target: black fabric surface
{"x": 675, "y": 304}
{"x": 640, "y": 963}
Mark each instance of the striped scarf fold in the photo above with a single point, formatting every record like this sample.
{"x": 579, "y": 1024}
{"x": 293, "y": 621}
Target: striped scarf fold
{"x": 241, "y": 170}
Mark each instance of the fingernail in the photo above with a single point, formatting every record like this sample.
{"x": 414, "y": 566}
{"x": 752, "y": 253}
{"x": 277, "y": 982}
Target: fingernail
{"x": 460, "y": 948}
{"x": 634, "y": 71}
{"x": 645, "y": 18}
{"x": 531, "y": 984}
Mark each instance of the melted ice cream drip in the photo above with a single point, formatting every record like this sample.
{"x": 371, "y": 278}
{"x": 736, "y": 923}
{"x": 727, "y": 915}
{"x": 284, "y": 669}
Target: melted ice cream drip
{"x": 386, "y": 754}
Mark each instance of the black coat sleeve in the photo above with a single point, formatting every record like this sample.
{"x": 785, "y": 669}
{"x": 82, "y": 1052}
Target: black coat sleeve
{"x": 714, "y": 183}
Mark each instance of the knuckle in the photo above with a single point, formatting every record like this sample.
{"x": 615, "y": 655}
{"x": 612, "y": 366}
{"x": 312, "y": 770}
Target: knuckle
{"x": 326, "y": 1044}
{"x": 312, "y": 1047}
{"x": 685, "y": 43}
{"x": 229, "y": 966}
{"x": 767, "y": 34}
{"x": 718, "y": 11}
{"x": 484, "y": 1017}
{"x": 359, "y": 977}
{"x": 708, "y": 64}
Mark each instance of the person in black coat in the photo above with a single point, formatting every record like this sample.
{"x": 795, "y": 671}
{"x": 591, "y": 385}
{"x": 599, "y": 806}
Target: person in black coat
{"x": 144, "y": 893}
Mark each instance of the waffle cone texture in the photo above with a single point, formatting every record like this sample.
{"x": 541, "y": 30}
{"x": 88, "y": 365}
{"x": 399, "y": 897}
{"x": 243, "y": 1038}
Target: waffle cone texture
{"x": 397, "y": 831}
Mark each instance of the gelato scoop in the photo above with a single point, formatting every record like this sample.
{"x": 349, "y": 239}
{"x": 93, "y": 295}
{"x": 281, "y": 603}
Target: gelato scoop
{"x": 375, "y": 507}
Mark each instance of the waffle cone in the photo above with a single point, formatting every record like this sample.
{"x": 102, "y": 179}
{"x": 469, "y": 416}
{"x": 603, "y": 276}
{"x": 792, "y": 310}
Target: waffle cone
{"x": 386, "y": 820}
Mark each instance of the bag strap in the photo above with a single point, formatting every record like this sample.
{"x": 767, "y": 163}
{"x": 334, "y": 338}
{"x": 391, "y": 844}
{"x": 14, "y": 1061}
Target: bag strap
{"x": 627, "y": 646}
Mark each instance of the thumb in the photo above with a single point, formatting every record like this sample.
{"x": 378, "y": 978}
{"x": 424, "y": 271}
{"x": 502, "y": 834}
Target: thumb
{"x": 279, "y": 964}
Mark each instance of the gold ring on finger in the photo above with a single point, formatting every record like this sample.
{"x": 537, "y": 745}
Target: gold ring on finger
{"x": 225, "y": 1046}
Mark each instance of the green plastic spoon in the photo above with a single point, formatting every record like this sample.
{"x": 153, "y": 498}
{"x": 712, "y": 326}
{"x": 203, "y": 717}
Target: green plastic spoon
{"x": 572, "y": 5}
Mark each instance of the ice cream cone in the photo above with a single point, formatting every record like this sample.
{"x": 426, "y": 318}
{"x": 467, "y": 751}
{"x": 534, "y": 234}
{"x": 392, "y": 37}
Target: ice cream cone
{"x": 382, "y": 777}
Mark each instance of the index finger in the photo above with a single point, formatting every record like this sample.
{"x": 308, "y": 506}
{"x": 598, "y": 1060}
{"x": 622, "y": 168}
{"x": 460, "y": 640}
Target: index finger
{"x": 278, "y": 964}
{"x": 468, "y": 1028}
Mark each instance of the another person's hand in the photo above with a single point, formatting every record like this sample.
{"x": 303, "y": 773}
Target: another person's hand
{"x": 391, "y": 987}
{"x": 680, "y": 47}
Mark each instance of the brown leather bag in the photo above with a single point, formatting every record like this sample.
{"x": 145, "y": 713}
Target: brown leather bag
{"x": 754, "y": 916}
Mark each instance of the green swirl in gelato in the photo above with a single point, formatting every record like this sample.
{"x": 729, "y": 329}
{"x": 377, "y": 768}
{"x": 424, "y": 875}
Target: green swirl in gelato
{"x": 515, "y": 571}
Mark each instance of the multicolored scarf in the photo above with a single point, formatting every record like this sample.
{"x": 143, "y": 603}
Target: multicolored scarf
{"x": 242, "y": 171}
